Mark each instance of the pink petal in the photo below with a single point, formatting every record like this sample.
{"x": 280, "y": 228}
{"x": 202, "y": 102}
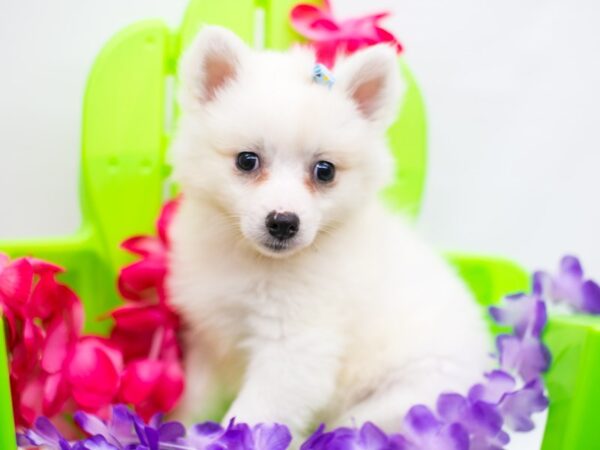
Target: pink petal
{"x": 143, "y": 245}
{"x": 93, "y": 373}
{"x": 11, "y": 320}
{"x": 4, "y": 260}
{"x": 143, "y": 317}
{"x": 133, "y": 345}
{"x": 30, "y": 404}
{"x": 50, "y": 297}
{"x": 59, "y": 339}
{"x": 170, "y": 388}
{"x": 139, "y": 380}
{"x": 141, "y": 280}
{"x": 41, "y": 267}
{"x": 166, "y": 217}
{"x": 32, "y": 336}
{"x": 312, "y": 22}
{"x": 15, "y": 283}
{"x": 55, "y": 394}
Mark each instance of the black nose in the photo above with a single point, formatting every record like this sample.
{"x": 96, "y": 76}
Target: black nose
{"x": 282, "y": 225}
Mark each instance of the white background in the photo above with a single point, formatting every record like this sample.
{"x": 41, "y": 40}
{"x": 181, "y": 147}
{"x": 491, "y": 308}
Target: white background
{"x": 511, "y": 88}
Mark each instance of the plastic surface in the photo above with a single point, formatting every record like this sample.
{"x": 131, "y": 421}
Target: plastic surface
{"x": 123, "y": 170}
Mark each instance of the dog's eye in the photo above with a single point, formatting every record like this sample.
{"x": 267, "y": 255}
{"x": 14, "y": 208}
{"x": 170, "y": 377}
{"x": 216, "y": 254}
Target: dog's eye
{"x": 247, "y": 161}
{"x": 324, "y": 171}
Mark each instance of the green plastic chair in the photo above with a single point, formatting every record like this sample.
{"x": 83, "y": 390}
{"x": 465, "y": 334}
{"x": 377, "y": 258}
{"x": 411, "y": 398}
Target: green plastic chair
{"x": 123, "y": 174}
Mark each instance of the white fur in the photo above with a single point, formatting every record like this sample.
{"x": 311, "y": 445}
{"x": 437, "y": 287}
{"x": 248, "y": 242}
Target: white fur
{"x": 356, "y": 318}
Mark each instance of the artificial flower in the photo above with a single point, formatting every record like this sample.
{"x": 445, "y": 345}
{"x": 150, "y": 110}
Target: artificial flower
{"x": 518, "y": 407}
{"x": 568, "y": 285}
{"x": 144, "y": 279}
{"x": 330, "y": 36}
{"x": 524, "y": 313}
{"x": 528, "y": 356}
{"x": 367, "y": 437}
{"x": 425, "y": 431}
{"x": 43, "y": 434}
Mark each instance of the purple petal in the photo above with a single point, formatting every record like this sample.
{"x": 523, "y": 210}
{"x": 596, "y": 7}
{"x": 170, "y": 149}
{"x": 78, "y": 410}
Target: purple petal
{"x": 91, "y": 424}
{"x": 171, "y": 431}
{"x": 98, "y": 443}
{"x": 121, "y": 422}
{"x": 23, "y": 440}
{"x": 567, "y": 284}
{"x": 522, "y": 312}
{"x": 420, "y": 420}
{"x": 452, "y": 407}
{"x": 542, "y": 283}
{"x": 315, "y": 440}
{"x": 591, "y": 297}
{"x": 498, "y": 383}
{"x": 204, "y": 435}
{"x": 237, "y": 436}
{"x": 459, "y": 438}
{"x": 528, "y": 356}
{"x": 517, "y": 407}
{"x": 156, "y": 420}
{"x": 372, "y": 438}
{"x": 486, "y": 419}
{"x": 44, "y": 433}
{"x": 152, "y": 438}
{"x": 271, "y": 437}
{"x": 570, "y": 265}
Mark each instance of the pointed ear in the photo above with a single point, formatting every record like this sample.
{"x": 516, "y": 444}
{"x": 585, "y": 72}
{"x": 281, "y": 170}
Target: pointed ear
{"x": 211, "y": 63}
{"x": 372, "y": 80}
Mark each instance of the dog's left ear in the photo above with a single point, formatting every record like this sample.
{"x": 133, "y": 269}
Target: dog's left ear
{"x": 372, "y": 80}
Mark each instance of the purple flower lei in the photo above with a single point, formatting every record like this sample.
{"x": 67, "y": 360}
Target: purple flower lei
{"x": 505, "y": 400}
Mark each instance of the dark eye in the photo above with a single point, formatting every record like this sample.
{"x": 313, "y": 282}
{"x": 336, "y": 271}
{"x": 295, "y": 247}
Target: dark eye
{"x": 324, "y": 171}
{"x": 247, "y": 161}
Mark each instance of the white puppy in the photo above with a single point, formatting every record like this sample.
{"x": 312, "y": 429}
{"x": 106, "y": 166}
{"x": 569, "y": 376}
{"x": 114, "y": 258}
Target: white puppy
{"x": 304, "y": 298}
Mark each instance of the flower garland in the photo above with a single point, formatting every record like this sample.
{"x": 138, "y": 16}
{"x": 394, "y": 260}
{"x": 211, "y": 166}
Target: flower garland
{"x": 148, "y": 376}
{"x": 55, "y": 369}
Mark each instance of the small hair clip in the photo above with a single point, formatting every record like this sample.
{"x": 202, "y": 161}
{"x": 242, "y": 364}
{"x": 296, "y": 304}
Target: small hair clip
{"x": 322, "y": 75}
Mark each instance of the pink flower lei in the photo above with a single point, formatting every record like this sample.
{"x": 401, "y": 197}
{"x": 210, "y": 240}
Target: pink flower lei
{"x": 56, "y": 369}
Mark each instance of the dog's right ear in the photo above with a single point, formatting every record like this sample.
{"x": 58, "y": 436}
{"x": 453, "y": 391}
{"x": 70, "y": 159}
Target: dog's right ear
{"x": 211, "y": 63}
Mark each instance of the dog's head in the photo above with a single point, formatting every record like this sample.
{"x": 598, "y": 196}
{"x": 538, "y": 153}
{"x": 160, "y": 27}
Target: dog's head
{"x": 283, "y": 158}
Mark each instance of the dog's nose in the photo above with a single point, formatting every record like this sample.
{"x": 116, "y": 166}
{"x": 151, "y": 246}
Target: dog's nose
{"x": 282, "y": 225}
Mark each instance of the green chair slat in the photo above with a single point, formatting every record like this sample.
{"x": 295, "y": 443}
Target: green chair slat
{"x": 237, "y": 15}
{"x": 7, "y": 428}
{"x": 572, "y": 383}
{"x": 124, "y": 141}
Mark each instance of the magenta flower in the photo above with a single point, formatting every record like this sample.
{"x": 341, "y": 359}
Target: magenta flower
{"x": 44, "y": 320}
{"x": 330, "y": 36}
{"x": 146, "y": 329}
{"x": 144, "y": 280}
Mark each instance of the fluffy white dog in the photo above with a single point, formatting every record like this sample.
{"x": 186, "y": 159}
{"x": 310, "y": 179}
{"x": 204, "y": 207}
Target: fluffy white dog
{"x": 304, "y": 298}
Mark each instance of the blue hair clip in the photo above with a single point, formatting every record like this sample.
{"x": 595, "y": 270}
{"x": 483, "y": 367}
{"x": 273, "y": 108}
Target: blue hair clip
{"x": 322, "y": 75}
